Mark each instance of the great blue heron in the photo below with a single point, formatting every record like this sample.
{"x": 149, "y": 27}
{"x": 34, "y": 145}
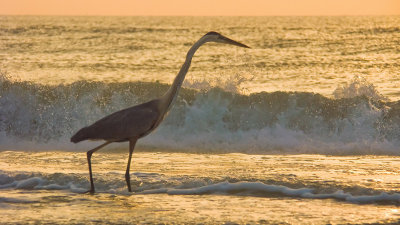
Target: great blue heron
{"x": 138, "y": 121}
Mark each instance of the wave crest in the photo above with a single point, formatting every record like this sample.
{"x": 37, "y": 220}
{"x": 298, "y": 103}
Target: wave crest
{"x": 358, "y": 86}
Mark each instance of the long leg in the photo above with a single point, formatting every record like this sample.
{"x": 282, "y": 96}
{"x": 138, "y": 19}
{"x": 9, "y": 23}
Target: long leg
{"x": 89, "y": 156}
{"x": 132, "y": 143}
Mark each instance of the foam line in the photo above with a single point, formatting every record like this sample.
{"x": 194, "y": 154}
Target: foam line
{"x": 226, "y": 188}
{"x": 258, "y": 189}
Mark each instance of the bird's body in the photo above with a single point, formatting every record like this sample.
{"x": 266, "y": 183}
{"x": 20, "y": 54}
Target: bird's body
{"x": 138, "y": 121}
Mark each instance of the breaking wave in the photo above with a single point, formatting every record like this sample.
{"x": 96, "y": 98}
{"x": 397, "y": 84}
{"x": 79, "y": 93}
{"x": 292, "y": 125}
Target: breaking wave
{"x": 36, "y": 116}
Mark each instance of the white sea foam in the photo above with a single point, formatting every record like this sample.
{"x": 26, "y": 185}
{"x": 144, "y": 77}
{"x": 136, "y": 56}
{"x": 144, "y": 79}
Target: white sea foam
{"x": 37, "y": 183}
{"x": 172, "y": 186}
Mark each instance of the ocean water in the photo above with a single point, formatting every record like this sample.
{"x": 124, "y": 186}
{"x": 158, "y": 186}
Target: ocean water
{"x": 302, "y": 128}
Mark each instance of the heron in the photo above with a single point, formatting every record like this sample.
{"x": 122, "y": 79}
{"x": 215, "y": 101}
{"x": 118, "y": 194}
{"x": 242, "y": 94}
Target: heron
{"x": 135, "y": 122}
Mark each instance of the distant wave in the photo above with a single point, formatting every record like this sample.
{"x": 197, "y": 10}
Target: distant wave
{"x": 211, "y": 120}
{"x": 54, "y": 29}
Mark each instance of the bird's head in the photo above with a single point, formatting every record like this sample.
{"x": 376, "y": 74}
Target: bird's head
{"x": 219, "y": 38}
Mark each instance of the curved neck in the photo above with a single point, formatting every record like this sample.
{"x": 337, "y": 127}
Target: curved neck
{"x": 173, "y": 91}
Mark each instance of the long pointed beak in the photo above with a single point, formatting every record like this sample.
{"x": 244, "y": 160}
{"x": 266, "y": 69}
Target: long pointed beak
{"x": 232, "y": 42}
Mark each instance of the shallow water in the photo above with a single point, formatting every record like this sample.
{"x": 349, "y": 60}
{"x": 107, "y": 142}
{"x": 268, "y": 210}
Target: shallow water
{"x": 199, "y": 188}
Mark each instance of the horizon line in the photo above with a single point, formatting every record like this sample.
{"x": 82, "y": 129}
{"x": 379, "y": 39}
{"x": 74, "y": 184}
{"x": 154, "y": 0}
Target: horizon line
{"x": 153, "y": 15}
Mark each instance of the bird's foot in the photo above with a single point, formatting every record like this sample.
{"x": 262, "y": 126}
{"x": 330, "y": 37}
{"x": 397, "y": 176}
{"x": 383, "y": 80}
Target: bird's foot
{"x": 91, "y": 191}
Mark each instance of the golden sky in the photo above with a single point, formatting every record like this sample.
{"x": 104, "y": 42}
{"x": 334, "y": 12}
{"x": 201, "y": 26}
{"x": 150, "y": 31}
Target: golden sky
{"x": 200, "y": 7}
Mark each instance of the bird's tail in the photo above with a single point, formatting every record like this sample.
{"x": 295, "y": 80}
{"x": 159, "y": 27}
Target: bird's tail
{"x": 79, "y": 136}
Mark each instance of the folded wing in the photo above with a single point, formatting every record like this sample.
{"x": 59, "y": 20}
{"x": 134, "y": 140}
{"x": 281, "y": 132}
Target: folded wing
{"x": 136, "y": 121}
